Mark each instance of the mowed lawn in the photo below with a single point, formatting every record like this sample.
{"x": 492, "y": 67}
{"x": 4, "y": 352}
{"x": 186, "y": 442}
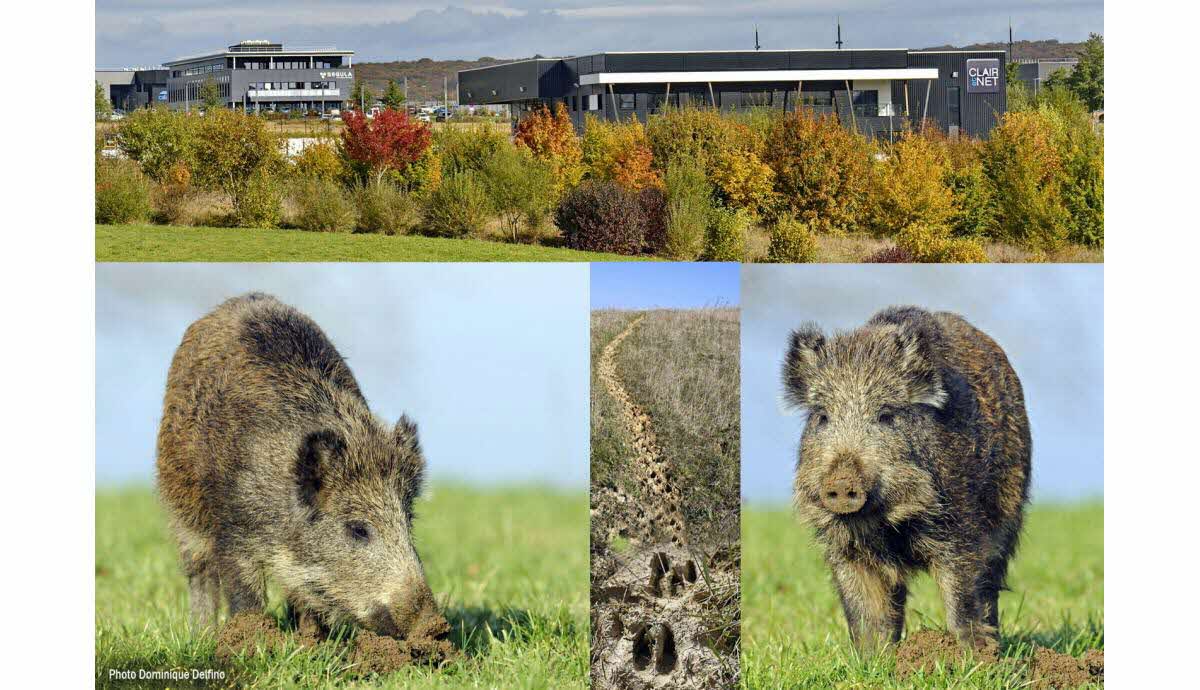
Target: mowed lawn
{"x": 176, "y": 243}
{"x": 794, "y": 634}
{"x": 510, "y": 567}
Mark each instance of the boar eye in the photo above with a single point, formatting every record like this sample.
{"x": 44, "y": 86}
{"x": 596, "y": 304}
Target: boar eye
{"x": 358, "y": 531}
{"x": 887, "y": 418}
{"x": 820, "y": 419}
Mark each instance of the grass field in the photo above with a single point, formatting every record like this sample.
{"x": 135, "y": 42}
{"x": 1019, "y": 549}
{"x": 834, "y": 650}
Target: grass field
{"x": 508, "y": 565}
{"x": 171, "y": 243}
{"x": 794, "y": 634}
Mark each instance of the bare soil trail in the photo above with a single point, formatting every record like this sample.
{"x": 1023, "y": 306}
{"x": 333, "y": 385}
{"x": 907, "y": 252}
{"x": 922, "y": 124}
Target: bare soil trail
{"x": 649, "y": 464}
{"x": 657, "y": 609}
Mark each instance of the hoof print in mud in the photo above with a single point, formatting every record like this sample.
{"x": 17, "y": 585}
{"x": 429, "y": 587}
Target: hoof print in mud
{"x": 654, "y": 648}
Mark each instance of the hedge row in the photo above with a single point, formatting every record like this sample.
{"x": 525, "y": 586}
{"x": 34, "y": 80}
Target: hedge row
{"x": 687, "y": 185}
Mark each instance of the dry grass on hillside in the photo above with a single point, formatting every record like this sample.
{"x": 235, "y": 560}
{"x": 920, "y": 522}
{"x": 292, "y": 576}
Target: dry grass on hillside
{"x": 682, "y": 366}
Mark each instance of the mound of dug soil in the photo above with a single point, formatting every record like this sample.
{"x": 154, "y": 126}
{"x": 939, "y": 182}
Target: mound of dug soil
{"x": 254, "y": 633}
{"x": 923, "y": 651}
{"x": 1050, "y": 669}
{"x": 426, "y": 644}
{"x": 250, "y": 633}
{"x": 658, "y": 622}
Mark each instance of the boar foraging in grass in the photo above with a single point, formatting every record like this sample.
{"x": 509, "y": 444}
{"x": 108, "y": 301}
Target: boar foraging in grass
{"x": 272, "y": 466}
{"x": 915, "y": 456}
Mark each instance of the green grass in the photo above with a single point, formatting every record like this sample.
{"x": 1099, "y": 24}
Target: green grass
{"x": 794, "y": 634}
{"x": 175, "y": 243}
{"x": 509, "y": 566}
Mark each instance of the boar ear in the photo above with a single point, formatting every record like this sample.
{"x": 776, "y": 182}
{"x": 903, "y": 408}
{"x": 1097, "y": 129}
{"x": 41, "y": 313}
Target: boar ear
{"x": 801, "y": 362}
{"x": 313, "y": 460}
{"x": 412, "y": 471}
{"x": 405, "y": 435}
{"x": 920, "y": 366}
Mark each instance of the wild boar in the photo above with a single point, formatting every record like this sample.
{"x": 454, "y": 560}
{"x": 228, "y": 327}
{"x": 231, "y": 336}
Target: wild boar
{"x": 915, "y": 456}
{"x": 272, "y": 467}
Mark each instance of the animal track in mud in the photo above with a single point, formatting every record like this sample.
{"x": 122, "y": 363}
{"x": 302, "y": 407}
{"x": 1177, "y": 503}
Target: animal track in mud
{"x": 649, "y": 463}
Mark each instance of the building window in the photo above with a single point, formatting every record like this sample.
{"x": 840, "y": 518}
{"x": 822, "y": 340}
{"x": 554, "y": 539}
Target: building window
{"x": 953, "y": 107}
{"x": 756, "y": 99}
{"x": 817, "y": 99}
{"x": 593, "y": 102}
{"x": 866, "y": 103}
{"x": 626, "y": 101}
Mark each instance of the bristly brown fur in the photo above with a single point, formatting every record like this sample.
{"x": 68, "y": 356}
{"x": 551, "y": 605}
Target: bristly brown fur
{"x": 272, "y": 467}
{"x": 922, "y": 419}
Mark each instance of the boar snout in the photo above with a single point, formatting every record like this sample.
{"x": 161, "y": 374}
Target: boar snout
{"x": 843, "y": 491}
{"x": 399, "y": 618}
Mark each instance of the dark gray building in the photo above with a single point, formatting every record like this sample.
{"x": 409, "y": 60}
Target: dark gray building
{"x": 265, "y": 76}
{"x": 874, "y": 91}
{"x": 129, "y": 89}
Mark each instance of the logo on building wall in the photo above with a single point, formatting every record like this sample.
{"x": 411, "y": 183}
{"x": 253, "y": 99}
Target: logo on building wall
{"x": 983, "y": 75}
{"x": 162, "y": 95}
{"x": 337, "y": 75}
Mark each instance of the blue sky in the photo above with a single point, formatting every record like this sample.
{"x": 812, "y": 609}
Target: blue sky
{"x": 491, "y": 361}
{"x": 664, "y": 285}
{"x": 1048, "y": 318}
{"x": 146, "y": 32}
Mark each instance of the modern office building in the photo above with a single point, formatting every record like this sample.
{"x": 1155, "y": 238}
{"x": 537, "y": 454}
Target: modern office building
{"x": 265, "y": 76}
{"x": 875, "y": 92}
{"x": 129, "y": 89}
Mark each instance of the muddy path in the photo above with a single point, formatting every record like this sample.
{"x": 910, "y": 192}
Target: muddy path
{"x": 662, "y": 519}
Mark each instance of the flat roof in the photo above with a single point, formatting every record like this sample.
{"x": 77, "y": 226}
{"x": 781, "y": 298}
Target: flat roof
{"x": 266, "y": 51}
{"x": 747, "y": 50}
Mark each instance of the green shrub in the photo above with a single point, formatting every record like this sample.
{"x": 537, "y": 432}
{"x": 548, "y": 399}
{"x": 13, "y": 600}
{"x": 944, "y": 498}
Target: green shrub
{"x": 319, "y": 160}
{"x": 792, "y": 242}
{"x": 458, "y": 207}
{"x": 386, "y": 209}
{"x": 1023, "y": 162}
{"x": 695, "y": 134}
{"x": 928, "y": 243}
{"x": 158, "y": 138}
{"x": 689, "y": 206}
{"x": 323, "y": 206}
{"x": 236, "y": 151}
{"x": 974, "y": 206}
{"x": 910, "y": 186}
{"x": 821, "y": 171}
{"x": 520, "y": 188}
{"x": 259, "y": 203}
{"x": 602, "y": 216}
{"x": 466, "y": 149}
{"x": 122, "y": 193}
{"x": 726, "y": 235}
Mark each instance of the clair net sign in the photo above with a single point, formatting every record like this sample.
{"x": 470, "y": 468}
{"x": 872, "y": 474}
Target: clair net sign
{"x": 983, "y": 75}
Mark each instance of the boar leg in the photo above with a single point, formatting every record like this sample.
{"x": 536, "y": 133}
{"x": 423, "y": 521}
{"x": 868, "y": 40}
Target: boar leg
{"x": 959, "y": 582}
{"x": 204, "y": 592}
{"x": 989, "y": 592}
{"x": 873, "y": 600}
{"x": 242, "y": 594}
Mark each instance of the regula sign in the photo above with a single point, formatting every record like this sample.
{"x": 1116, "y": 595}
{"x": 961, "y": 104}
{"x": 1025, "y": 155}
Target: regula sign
{"x": 983, "y": 75}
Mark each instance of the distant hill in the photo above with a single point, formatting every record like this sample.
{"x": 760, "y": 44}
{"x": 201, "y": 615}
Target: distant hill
{"x": 1049, "y": 48}
{"x": 425, "y": 75}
